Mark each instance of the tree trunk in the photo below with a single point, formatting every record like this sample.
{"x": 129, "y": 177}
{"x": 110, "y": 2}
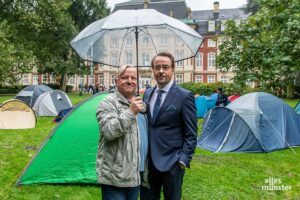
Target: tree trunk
{"x": 290, "y": 90}
{"x": 63, "y": 82}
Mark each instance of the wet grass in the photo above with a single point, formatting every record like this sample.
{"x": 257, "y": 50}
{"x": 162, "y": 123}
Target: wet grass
{"x": 211, "y": 176}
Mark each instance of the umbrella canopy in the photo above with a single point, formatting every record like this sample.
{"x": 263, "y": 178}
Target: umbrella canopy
{"x": 134, "y": 37}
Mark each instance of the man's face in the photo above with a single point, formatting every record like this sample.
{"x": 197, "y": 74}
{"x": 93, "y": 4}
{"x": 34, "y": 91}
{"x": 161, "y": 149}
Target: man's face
{"x": 162, "y": 70}
{"x": 126, "y": 83}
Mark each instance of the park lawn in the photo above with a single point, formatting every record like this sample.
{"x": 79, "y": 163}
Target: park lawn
{"x": 212, "y": 176}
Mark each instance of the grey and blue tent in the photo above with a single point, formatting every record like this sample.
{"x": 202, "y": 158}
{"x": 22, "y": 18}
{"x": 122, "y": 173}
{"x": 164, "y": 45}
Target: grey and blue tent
{"x": 51, "y": 103}
{"x": 30, "y": 93}
{"x": 255, "y": 122}
{"x": 297, "y": 108}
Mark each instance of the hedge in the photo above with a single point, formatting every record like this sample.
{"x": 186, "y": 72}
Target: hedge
{"x": 14, "y": 89}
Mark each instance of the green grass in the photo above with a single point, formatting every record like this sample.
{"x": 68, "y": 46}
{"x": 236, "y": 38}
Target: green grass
{"x": 212, "y": 176}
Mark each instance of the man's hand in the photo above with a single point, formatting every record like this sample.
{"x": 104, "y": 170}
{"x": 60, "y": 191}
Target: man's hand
{"x": 136, "y": 104}
{"x": 181, "y": 165}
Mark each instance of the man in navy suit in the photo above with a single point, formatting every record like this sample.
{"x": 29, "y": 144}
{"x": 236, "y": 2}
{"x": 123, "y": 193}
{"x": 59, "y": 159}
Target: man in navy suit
{"x": 172, "y": 130}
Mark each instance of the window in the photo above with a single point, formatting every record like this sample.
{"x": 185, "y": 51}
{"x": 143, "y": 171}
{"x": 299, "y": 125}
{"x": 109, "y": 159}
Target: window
{"x": 101, "y": 80}
{"x": 114, "y": 59}
{"x": 211, "y": 43}
{"x": 128, "y": 58}
{"x": 91, "y": 79}
{"x": 224, "y": 79}
{"x": 53, "y": 79}
{"x": 145, "y": 41}
{"x": 25, "y": 80}
{"x": 113, "y": 79}
{"x": 178, "y": 56}
{"x": 211, "y": 78}
{"x": 44, "y": 78}
{"x": 179, "y": 41}
{"x": 211, "y": 26}
{"x": 145, "y": 59}
{"x": 81, "y": 79}
{"x": 211, "y": 60}
{"x": 163, "y": 40}
{"x": 129, "y": 41}
{"x": 114, "y": 42}
{"x": 198, "y": 78}
{"x": 199, "y": 60}
{"x": 71, "y": 80}
{"x": 223, "y": 25}
{"x": 178, "y": 78}
{"x": 35, "y": 79}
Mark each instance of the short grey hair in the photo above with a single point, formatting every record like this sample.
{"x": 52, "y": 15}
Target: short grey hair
{"x": 122, "y": 69}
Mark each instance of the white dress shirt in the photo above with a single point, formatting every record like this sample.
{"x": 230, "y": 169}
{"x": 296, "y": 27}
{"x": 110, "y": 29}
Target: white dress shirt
{"x": 163, "y": 95}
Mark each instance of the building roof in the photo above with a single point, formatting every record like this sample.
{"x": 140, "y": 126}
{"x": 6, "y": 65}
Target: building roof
{"x": 224, "y": 14}
{"x": 178, "y": 7}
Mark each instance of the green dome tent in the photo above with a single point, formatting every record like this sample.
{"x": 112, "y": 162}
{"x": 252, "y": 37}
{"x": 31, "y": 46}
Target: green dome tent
{"x": 68, "y": 155}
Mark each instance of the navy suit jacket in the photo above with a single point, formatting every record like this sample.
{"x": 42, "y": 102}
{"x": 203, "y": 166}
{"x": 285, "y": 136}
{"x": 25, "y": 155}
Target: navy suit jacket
{"x": 173, "y": 134}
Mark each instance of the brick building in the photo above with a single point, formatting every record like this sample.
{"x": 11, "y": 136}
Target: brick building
{"x": 208, "y": 23}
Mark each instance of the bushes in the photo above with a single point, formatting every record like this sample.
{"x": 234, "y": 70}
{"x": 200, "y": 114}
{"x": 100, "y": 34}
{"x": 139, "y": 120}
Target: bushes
{"x": 56, "y": 86}
{"x": 207, "y": 89}
{"x": 14, "y": 89}
{"x": 11, "y": 89}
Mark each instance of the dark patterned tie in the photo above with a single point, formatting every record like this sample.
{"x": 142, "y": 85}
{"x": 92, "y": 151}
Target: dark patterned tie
{"x": 157, "y": 104}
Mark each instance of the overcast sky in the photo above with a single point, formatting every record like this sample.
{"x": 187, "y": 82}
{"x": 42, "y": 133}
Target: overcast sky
{"x": 198, "y": 4}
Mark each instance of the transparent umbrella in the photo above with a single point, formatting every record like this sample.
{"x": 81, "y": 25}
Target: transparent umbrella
{"x": 135, "y": 36}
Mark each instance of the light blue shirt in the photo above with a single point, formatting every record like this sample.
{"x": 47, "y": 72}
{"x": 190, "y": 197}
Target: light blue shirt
{"x": 142, "y": 126}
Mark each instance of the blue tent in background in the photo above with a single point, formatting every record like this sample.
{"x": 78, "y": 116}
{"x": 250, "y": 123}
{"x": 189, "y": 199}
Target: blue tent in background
{"x": 214, "y": 96}
{"x": 297, "y": 108}
{"x": 203, "y": 105}
{"x": 255, "y": 122}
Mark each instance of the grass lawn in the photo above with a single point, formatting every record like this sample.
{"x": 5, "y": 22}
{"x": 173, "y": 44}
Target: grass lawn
{"x": 212, "y": 176}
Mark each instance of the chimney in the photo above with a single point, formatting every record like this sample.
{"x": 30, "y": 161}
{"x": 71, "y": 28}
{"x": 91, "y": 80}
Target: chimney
{"x": 216, "y": 10}
{"x": 146, "y": 4}
{"x": 216, "y": 7}
{"x": 189, "y": 12}
{"x": 171, "y": 13}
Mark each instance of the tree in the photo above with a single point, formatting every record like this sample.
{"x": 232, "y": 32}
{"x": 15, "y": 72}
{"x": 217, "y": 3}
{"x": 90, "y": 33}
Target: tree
{"x": 251, "y": 7}
{"x": 266, "y": 48}
{"x": 14, "y": 58}
{"x": 45, "y": 28}
{"x": 83, "y": 12}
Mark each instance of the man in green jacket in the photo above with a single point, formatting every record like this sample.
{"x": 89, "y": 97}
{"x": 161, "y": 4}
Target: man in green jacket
{"x": 123, "y": 141}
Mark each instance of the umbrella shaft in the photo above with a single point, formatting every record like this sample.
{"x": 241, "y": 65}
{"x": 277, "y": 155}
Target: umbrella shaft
{"x": 137, "y": 58}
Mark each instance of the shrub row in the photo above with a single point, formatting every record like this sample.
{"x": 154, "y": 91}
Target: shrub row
{"x": 14, "y": 89}
{"x": 206, "y": 89}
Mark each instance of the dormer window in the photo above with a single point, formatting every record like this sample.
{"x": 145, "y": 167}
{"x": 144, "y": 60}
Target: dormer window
{"x": 211, "y": 26}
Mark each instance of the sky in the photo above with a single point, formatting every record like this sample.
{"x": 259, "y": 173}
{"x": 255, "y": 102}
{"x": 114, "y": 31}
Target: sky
{"x": 197, "y": 4}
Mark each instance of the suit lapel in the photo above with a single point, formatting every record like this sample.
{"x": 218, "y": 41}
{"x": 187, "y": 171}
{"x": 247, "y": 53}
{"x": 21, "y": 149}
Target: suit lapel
{"x": 148, "y": 97}
{"x": 147, "y": 100}
{"x": 167, "y": 100}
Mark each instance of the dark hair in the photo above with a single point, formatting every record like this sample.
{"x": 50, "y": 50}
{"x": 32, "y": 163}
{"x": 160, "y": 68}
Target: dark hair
{"x": 220, "y": 89}
{"x": 164, "y": 54}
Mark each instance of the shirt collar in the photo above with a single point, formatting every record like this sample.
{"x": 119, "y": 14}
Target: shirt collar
{"x": 166, "y": 88}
